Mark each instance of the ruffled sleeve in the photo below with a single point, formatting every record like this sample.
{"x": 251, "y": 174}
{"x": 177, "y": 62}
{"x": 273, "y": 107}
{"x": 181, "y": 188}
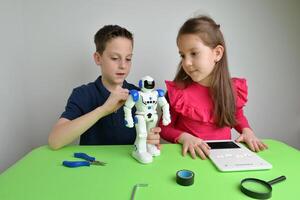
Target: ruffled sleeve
{"x": 241, "y": 90}
{"x": 193, "y": 102}
{"x": 241, "y": 93}
{"x": 175, "y": 95}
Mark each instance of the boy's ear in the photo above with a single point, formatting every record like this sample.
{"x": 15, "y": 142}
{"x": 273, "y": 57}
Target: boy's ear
{"x": 219, "y": 50}
{"x": 97, "y": 58}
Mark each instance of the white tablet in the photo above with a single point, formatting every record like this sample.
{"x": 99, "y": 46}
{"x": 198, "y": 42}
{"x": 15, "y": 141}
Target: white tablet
{"x": 228, "y": 155}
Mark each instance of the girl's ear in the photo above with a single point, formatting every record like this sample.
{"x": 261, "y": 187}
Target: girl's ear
{"x": 97, "y": 58}
{"x": 219, "y": 50}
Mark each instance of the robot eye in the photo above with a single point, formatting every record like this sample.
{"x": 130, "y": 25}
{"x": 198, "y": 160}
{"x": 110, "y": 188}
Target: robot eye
{"x": 149, "y": 84}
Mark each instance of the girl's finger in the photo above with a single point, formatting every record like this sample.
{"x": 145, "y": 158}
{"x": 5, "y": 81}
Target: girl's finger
{"x": 192, "y": 151}
{"x": 206, "y": 145}
{"x": 265, "y": 146}
{"x": 262, "y": 146}
{"x": 200, "y": 152}
{"x": 184, "y": 149}
{"x": 255, "y": 145}
{"x": 250, "y": 145}
{"x": 205, "y": 149}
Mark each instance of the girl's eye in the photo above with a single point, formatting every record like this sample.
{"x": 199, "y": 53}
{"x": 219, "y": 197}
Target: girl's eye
{"x": 181, "y": 56}
{"x": 128, "y": 59}
{"x": 194, "y": 53}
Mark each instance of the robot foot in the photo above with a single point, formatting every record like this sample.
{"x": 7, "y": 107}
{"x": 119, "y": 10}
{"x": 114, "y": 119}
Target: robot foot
{"x": 143, "y": 157}
{"x": 153, "y": 150}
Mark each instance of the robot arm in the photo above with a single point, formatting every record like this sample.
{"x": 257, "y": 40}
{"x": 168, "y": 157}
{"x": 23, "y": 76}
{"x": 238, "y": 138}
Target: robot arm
{"x": 129, "y": 104}
{"x": 162, "y": 102}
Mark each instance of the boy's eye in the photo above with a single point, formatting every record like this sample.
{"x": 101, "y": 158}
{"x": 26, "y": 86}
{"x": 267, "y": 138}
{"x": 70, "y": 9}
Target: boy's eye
{"x": 114, "y": 58}
{"x": 181, "y": 56}
{"x": 128, "y": 59}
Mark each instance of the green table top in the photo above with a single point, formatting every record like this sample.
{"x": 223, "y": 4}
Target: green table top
{"x": 40, "y": 175}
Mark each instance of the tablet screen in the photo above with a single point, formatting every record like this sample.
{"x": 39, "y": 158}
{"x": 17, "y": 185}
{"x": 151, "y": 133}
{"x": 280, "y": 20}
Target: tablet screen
{"x": 222, "y": 145}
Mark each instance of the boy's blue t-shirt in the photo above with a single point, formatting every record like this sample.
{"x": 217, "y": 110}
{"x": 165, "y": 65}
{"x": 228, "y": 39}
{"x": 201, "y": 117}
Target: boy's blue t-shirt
{"x": 110, "y": 129}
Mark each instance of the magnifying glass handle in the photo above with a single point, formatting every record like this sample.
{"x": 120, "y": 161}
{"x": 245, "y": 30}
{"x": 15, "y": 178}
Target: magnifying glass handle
{"x": 277, "y": 180}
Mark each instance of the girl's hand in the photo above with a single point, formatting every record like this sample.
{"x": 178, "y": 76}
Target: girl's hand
{"x": 251, "y": 140}
{"x": 194, "y": 145}
{"x": 153, "y": 137}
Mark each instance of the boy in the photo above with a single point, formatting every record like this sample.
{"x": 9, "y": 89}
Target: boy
{"x": 94, "y": 111}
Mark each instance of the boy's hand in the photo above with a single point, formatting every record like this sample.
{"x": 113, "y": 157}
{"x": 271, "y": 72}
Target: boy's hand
{"x": 153, "y": 137}
{"x": 251, "y": 140}
{"x": 194, "y": 145}
{"x": 115, "y": 100}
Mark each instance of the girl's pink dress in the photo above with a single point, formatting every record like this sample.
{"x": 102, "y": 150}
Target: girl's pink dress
{"x": 191, "y": 111}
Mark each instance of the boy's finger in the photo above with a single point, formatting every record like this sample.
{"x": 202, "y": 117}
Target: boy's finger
{"x": 156, "y": 130}
{"x": 124, "y": 96}
{"x": 159, "y": 146}
{"x": 152, "y": 136}
{"x": 155, "y": 142}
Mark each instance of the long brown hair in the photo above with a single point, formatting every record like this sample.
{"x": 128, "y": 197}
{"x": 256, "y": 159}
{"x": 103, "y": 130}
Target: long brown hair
{"x": 220, "y": 82}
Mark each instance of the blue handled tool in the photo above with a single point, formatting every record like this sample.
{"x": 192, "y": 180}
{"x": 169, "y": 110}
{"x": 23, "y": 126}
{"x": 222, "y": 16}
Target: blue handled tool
{"x": 89, "y": 161}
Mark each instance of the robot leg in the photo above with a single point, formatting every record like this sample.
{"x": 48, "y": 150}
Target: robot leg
{"x": 151, "y": 148}
{"x": 140, "y": 152}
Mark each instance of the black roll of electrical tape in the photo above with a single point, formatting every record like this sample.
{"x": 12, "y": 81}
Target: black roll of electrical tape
{"x": 185, "y": 177}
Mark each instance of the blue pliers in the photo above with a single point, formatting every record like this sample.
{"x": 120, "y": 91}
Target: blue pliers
{"x": 89, "y": 161}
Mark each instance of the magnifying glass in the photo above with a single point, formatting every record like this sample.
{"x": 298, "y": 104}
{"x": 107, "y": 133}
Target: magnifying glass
{"x": 257, "y": 188}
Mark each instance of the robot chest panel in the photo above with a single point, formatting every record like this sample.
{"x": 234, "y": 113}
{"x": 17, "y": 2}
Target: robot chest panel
{"x": 148, "y": 99}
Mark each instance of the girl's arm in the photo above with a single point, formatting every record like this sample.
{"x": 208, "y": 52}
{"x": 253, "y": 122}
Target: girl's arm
{"x": 241, "y": 120}
{"x": 247, "y": 135}
{"x": 194, "y": 145}
{"x": 66, "y": 131}
{"x": 170, "y": 133}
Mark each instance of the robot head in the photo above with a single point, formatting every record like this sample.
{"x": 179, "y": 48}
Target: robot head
{"x": 146, "y": 84}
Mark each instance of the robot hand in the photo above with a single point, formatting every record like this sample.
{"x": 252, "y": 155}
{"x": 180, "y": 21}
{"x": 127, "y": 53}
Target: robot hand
{"x": 129, "y": 122}
{"x": 166, "y": 119}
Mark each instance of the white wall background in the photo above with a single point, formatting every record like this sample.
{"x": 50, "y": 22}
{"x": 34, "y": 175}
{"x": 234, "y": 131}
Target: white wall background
{"x": 46, "y": 50}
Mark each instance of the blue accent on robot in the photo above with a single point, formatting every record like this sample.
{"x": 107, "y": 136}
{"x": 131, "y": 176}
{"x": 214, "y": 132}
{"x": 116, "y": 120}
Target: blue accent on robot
{"x": 160, "y": 92}
{"x": 140, "y": 83}
{"x": 134, "y": 94}
{"x": 135, "y": 120}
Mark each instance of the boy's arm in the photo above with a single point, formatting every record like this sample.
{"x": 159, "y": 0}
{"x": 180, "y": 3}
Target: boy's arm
{"x": 66, "y": 131}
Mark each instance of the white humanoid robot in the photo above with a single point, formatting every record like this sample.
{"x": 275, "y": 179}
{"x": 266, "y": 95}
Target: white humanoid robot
{"x": 146, "y": 117}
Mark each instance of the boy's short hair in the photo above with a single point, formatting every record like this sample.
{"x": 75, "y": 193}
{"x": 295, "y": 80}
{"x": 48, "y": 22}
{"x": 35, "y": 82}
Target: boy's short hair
{"x": 108, "y": 32}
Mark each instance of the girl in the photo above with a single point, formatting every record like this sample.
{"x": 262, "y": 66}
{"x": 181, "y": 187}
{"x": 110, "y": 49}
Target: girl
{"x": 205, "y": 102}
{"x": 93, "y": 111}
